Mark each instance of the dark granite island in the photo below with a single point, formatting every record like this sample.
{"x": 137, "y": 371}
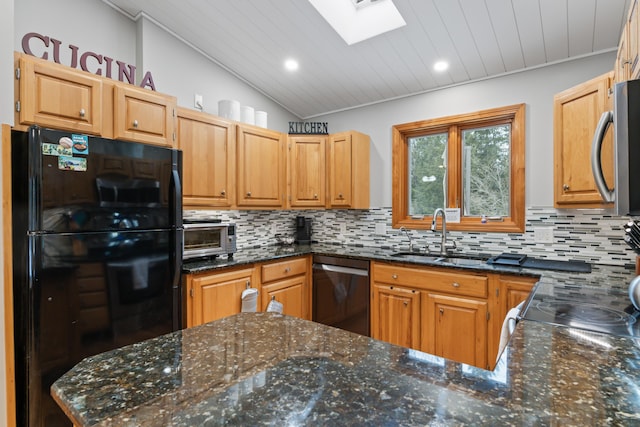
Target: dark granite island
{"x": 267, "y": 369}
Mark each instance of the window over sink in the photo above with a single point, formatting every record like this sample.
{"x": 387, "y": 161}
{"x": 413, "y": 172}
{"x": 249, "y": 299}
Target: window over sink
{"x": 474, "y": 162}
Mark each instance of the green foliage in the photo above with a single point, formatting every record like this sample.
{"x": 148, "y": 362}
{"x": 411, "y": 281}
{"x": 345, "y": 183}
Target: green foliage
{"x": 486, "y": 167}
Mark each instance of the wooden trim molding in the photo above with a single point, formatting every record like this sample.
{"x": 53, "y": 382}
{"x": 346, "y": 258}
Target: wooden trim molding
{"x": 8, "y": 277}
{"x": 514, "y": 115}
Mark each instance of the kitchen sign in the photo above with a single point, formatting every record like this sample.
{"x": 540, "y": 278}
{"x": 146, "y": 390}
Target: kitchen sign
{"x": 88, "y": 61}
{"x": 308, "y": 128}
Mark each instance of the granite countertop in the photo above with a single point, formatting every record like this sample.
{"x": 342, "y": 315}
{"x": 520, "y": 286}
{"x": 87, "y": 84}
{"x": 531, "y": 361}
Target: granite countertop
{"x": 268, "y": 369}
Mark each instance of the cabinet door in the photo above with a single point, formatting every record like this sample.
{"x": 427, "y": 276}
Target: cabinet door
{"x": 141, "y": 115}
{"x": 292, "y": 293}
{"x": 214, "y": 296}
{"x": 55, "y": 96}
{"x": 340, "y": 170}
{"x": 632, "y": 29}
{"x": 307, "y": 164}
{"x": 576, "y": 115}
{"x": 395, "y": 315}
{"x": 208, "y": 159}
{"x": 456, "y": 329}
{"x": 261, "y": 167}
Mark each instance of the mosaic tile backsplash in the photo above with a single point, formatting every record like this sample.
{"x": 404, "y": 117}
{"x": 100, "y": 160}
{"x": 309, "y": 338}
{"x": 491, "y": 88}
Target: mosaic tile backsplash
{"x": 587, "y": 235}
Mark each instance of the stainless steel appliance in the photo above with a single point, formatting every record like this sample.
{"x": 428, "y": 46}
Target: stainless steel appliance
{"x": 583, "y": 308}
{"x": 303, "y": 230}
{"x": 97, "y": 244}
{"x": 206, "y": 238}
{"x": 341, "y": 293}
{"x": 625, "y": 118}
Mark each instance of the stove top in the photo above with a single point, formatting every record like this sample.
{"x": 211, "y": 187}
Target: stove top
{"x": 590, "y": 309}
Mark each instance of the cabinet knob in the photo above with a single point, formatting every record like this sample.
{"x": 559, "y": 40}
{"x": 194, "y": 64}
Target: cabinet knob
{"x": 287, "y": 270}
{"x": 442, "y": 311}
{"x": 315, "y": 196}
{"x": 455, "y": 284}
{"x": 406, "y": 303}
{"x": 565, "y": 187}
{"x": 135, "y": 124}
{"x": 222, "y": 193}
{"x": 339, "y": 195}
{"x": 248, "y": 193}
{"x": 82, "y": 112}
{"x": 394, "y": 276}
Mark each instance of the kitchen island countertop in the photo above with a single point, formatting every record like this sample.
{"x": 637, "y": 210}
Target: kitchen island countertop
{"x": 268, "y": 369}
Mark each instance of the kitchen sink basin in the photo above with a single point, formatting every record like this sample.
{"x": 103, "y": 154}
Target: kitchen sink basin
{"x": 450, "y": 260}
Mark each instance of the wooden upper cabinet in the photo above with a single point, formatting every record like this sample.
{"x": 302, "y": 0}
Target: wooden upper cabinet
{"x": 307, "y": 165}
{"x": 626, "y": 65}
{"x": 261, "y": 167}
{"x": 141, "y": 115}
{"x": 575, "y": 117}
{"x": 208, "y": 160}
{"x": 59, "y": 97}
{"x": 348, "y": 170}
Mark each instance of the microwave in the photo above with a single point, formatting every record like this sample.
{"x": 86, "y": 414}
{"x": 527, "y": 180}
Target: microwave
{"x": 625, "y": 119}
{"x": 208, "y": 239}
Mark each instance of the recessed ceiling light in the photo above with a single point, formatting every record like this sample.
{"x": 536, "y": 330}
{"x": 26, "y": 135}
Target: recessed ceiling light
{"x": 356, "y": 20}
{"x": 441, "y": 65}
{"x": 291, "y": 64}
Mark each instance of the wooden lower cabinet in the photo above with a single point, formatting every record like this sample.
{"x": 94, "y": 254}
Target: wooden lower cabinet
{"x": 452, "y": 313}
{"x": 395, "y": 315}
{"x": 288, "y": 282}
{"x": 216, "y": 295}
{"x": 456, "y": 328}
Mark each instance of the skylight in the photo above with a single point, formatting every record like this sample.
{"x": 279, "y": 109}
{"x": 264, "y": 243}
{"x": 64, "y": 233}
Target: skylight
{"x": 358, "y": 20}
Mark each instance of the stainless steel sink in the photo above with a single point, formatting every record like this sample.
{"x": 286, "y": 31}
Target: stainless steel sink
{"x": 451, "y": 260}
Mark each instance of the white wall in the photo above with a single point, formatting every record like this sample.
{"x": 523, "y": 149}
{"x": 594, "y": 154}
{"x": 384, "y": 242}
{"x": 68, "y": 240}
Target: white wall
{"x": 535, "y": 88}
{"x": 181, "y": 71}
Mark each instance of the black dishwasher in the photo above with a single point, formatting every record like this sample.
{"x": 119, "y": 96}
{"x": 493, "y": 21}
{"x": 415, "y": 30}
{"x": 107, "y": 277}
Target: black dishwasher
{"x": 341, "y": 293}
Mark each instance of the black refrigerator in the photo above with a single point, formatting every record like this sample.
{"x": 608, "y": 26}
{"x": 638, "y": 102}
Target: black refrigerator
{"x": 97, "y": 235}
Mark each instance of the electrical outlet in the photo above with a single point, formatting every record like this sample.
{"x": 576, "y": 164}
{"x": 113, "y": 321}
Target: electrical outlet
{"x": 381, "y": 228}
{"x": 543, "y": 234}
{"x": 343, "y": 228}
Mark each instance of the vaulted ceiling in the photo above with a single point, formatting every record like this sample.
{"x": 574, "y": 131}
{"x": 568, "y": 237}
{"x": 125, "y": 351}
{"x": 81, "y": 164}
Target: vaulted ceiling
{"x": 479, "y": 38}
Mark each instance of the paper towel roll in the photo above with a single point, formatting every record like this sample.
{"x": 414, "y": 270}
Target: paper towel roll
{"x": 229, "y": 109}
{"x": 247, "y": 115}
{"x": 261, "y": 119}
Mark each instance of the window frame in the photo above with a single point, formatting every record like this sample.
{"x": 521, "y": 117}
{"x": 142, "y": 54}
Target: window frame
{"x": 513, "y": 114}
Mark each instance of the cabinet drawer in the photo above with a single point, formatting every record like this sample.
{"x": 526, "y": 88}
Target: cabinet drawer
{"x": 283, "y": 269}
{"x": 433, "y": 280}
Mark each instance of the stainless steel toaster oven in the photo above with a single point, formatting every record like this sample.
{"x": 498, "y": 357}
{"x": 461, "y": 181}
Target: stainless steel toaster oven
{"x": 208, "y": 239}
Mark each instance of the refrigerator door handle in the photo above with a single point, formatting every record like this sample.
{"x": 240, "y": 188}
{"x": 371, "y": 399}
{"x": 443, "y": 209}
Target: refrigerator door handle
{"x": 596, "y": 149}
{"x": 176, "y": 185}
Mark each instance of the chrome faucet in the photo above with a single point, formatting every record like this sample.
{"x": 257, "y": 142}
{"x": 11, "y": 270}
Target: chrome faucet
{"x": 408, "y": 237}
{"x": 434, "y": 223}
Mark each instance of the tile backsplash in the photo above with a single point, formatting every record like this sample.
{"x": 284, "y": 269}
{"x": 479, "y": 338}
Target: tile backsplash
{"x": 588, "y": 235}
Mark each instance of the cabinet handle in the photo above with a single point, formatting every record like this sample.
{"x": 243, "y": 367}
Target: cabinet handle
{"x": 135, "y": 124}
{"x": 455, "y": 284}
{"x": 82, "y": 112}
{"x": 442, "y": 311}
{"x": 222, "y": 193}
{"x": 394, "y": 276}
{"x": 248, "y": 193}
{"x": 286, "y": 270}
{"x": 565, "y": 187}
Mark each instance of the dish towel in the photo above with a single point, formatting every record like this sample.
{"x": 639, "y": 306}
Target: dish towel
{"x": 508, "y": 326}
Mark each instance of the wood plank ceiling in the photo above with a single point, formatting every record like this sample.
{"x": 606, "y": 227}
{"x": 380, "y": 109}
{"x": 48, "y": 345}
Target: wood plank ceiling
{"x": 479, "y": 38}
